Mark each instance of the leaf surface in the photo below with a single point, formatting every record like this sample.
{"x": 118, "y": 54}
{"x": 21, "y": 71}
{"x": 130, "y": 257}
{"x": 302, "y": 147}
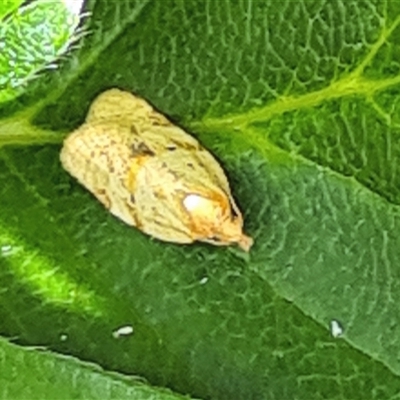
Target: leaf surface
{"x": 299, "y": 102}
{"x": 38, "y": 374}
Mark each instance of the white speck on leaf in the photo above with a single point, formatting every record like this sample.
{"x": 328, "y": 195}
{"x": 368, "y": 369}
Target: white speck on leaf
{"x": 203, "y": 280}
{"x": 123, "y": 331}
{"x": 6, "y": 249}
{"x": 336, "y": 328}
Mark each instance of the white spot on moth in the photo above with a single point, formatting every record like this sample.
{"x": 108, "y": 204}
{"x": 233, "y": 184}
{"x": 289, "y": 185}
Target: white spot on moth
{"x": 336, "y": 328}
{"x": 203, "y": 280}
{"x": 192, "y": 201}
{"x": 123, "y": 331}
{"x": 151, "y": 174}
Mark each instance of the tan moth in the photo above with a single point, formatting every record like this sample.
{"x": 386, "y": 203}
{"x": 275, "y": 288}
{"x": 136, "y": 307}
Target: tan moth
{"x": 151, "y": 174}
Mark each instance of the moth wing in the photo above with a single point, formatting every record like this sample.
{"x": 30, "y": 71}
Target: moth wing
{"x": 118, "y": 105}
{"x": 98, "y": 156}
{"x": 169, "y": 138}
{"x": 199, "y": 168}
{"x": 126, "y": 109}
{"x": 158, "y": 198}
{"x": 218, "y": 174}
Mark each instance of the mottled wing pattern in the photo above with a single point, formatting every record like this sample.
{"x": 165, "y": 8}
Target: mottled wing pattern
{"x": 151, "y": 173}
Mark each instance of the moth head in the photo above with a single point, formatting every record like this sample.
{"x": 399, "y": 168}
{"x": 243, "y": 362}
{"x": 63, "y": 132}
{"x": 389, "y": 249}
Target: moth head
{"x": 215, "y": 220}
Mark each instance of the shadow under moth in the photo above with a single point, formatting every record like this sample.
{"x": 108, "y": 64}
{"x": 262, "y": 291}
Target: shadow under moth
{"x": 151, "y": 174}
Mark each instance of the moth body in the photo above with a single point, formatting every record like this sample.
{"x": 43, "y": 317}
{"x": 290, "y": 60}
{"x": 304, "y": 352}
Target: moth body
{"x": 151, "y": 174}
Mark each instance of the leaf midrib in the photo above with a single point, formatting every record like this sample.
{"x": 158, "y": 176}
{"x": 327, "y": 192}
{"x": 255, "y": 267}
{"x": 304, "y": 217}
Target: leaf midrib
{"x": 352, "y": 84}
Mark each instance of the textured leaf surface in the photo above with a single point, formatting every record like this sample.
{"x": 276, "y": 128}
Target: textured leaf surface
{"x": 33, "y": 37}
{"x": 299, "y": 102}
{"x": 36, "y": 374}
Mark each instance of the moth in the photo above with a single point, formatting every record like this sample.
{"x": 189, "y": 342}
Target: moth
{"x": 152, "y": 174}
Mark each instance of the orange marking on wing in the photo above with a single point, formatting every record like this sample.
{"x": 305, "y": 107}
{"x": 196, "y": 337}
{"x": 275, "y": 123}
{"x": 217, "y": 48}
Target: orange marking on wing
{"x": 136, "y": 163}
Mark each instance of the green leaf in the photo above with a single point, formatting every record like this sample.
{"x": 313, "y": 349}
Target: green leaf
{"x": 33, "y": 38}
{"x": 8, "y": 6}
{"x": 299, "y": 102}
{"x": 37, "y": 374}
